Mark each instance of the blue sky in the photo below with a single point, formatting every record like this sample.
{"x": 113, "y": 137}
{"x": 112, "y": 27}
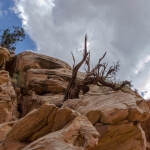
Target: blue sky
{"x": 8, "y": 19}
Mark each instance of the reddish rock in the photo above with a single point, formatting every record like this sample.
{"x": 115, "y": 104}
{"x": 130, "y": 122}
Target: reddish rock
{"x": 110, "y": 108}
{"x": 4, "y": 129}
{"x": 121, "y": 137}
{"x": 77, "y": 135}
{"x": 4, "y": 56}
{"x": 27, "y": 60}
{"x": 8, "y": 102}
{"x": 46, "y": 119}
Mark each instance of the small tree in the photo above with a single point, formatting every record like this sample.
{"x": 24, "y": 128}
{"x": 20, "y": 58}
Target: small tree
{"x": 101, "y": 74}
{"x": 9, "y": 39}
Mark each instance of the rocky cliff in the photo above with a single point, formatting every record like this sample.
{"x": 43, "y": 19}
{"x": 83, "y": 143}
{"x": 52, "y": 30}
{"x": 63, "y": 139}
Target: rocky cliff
{"x": 33, "y": 115}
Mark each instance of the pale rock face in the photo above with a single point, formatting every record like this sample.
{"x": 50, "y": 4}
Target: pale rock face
{"x": 44, "y": 76}
{"x": 110, "y": 108}
{"x": 121, "y": 137}
{"x": 8, "y": 102}
{"x": 45, "y": 85}
{"x": 4, "y": 56}
{"x": 77, "y": 135}
{"x": 146, "y": 128}
{"x": 116, "y": 116}
{"x": 4, "y": 129}
{"x": 46, "y": 119}
{"x": 33, "y": 101}
{"x": 100, "y": 119}
{"x": 44, "y": 81}
{"x": 28, "y": 60}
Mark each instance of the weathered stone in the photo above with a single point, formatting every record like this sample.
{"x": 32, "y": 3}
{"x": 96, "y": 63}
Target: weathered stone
{"x": 77, "y": 135}
{"x": 146, "y": 127}
{"x": 121, "y": 137}
{"x": 4, "y": 129}
{"x": 27, "y": 60}
{"x": 8, "y": 102}
{"x": 44, "y": 81}
{"x": 4, "y": 56}
{"x": 33, "y": 101}
{"x": 42, "y": 85}
{"x": 13, "y": 146}
{"x": 47, "y": 119}
{"x": 40, "y": 82}
{"x": 110, "y": 108}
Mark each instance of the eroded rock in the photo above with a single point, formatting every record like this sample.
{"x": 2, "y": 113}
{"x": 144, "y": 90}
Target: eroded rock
{"x": 46, "y": 119}
{"x": 121, "y": 137}
{"x": 4, "y": 129}
{"x": 110, "y": 108}
{"x": 4, "y": 56}
{"x": 77, "y": 135}
{"x": 27, "y": 60}
{"x": 8, "y": 102}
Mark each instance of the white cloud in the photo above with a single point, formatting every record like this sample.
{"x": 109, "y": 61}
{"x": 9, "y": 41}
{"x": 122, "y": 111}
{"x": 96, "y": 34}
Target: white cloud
{"x": 119, "y": 27}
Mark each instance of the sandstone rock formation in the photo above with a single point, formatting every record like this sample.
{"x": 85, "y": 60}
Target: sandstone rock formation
{"x": 116, "y": 115}
{"x": 38, "y": 78}
{"x": 146, "y": 128}
{"x": 101, "y": 119}
{"x": 77, "y": 135}
{"x": 47, "y": 119}
{"x": 8, "y": 102}
{"x": 4, "y": 56}
{"x": 27, "y": 60}
{"x": 4, "y": 129}
{"x": 110, "y": 108}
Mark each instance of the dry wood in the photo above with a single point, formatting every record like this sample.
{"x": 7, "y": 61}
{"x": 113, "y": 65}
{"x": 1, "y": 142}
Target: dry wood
{"x": 101, "y": 74}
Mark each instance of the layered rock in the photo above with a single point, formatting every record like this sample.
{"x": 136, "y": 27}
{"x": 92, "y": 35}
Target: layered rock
{"x": 101, "y": 119}
{"x": 4, "y": 129}
{"x": 77, "y": 135}
{"x": 146, "y": 128}
{"x": 38, "y": 78}
{"x": 29, "y": 60}
{"x": 125, "y": 136}
{"x": 8, "y": 101}
{"x": 68, "y": 128}
{"x": 44, "y": 81}
{"x": 110, "y": 108}
{"x": 116, "y": 116}
{"x": 32, "y": 101}
{"x": 46, "y": 119}
{"x": 4, "y": 56}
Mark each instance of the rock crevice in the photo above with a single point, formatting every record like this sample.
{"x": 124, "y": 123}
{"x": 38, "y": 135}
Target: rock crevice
{"x": 100, "y": 119}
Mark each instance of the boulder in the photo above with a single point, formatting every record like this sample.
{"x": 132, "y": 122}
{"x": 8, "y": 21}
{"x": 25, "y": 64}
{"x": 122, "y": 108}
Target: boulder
{"x": 44, "y": 81}
{"x": 8, "y": 101}
{"x": 77, "y": 135}
{"x": 46, "y": 119}
{"x": 43, "y": 85}
{"x": 110, "y": 108}
{"x": 125, "y": 136}
{"x": 32, "y": 101}
{"x": 27, "y": 60}
{"x": 146, "y": 127}
{"x": 4, "y": 129}
{"x": 4, "y": 56}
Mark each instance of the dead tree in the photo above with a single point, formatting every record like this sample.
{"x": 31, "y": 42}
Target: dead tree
{"x": 73, "y": 88}
{"x": 101, "y": 74}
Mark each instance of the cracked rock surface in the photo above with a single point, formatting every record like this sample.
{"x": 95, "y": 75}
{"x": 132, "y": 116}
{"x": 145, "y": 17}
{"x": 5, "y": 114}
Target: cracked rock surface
{"x": 33, "y": 115}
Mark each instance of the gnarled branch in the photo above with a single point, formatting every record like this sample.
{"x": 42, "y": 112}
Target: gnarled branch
{"x": 100, "y": 74}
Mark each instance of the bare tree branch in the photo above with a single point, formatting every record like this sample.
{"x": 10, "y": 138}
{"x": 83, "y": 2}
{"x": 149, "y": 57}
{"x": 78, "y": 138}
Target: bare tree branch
{"x": 73, "y": 59}
{"x": 100, "y": 74}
